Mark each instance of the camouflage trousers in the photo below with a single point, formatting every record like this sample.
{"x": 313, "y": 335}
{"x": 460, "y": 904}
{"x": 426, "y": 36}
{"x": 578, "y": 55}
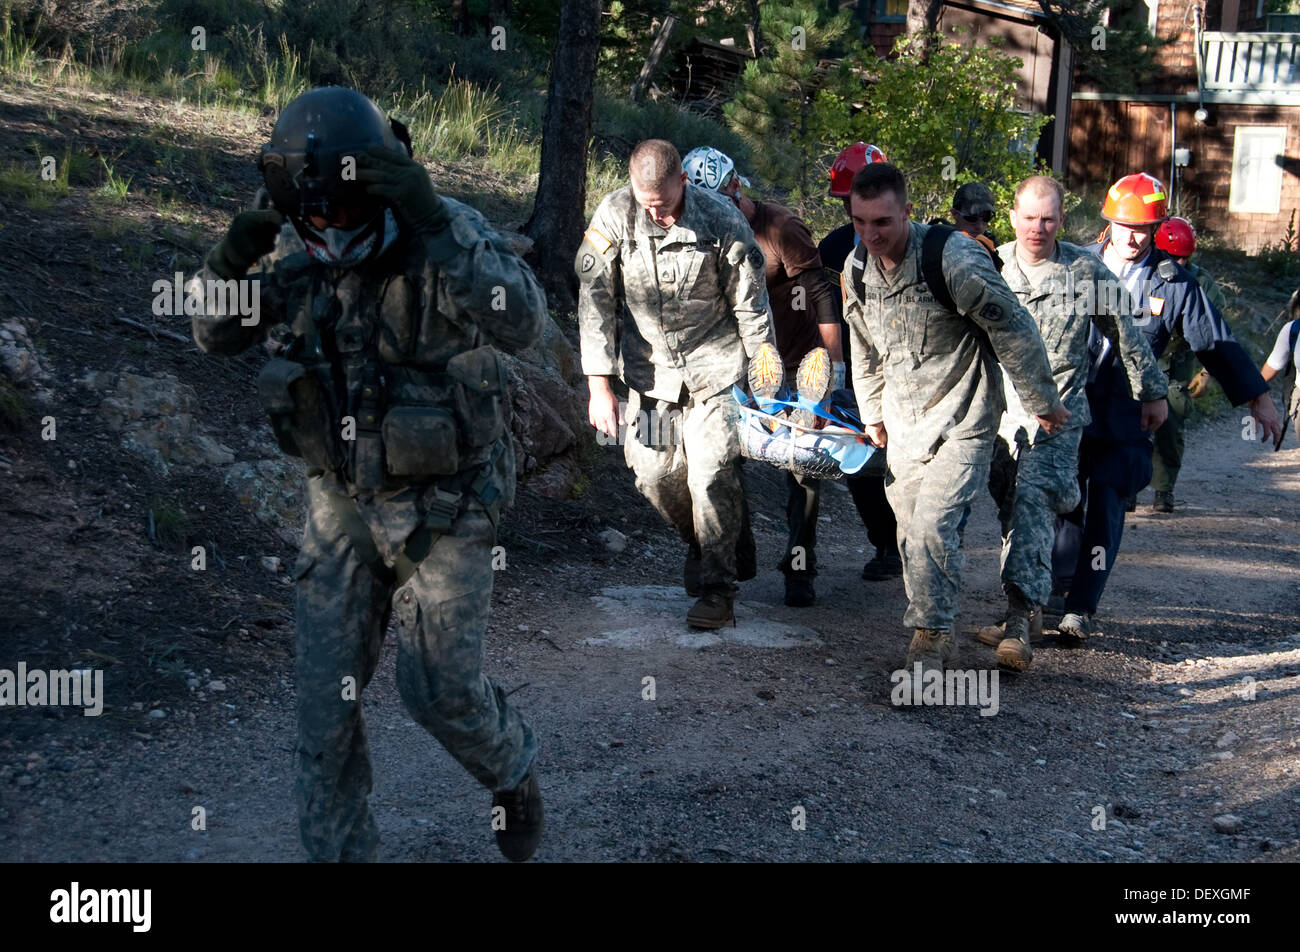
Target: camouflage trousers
{"x": 687, "y": 467}
{"x": 1170, "y": 442}
{"x": 931, "y": 501}
{"x": 340, "y": 617}
{"x": 1045, "y": 484}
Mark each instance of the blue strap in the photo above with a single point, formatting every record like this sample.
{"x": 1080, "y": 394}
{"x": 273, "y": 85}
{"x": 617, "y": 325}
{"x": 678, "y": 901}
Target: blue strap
{"x": 772, "y": 405}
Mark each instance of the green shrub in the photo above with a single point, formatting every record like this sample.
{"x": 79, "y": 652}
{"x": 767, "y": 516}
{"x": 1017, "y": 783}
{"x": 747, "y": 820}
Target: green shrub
{"x": 619, "y": 124}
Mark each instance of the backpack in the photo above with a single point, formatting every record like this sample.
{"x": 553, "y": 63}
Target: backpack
{"x": 931, "y": 266}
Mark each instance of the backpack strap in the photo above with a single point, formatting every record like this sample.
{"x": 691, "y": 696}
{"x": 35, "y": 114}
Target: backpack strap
{"x": 932, "y": 264}
{"x": 856, "y": 269}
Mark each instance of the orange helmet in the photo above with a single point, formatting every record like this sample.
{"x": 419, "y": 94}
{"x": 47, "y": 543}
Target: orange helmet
{"x": 1137, "y": 199}
{"x": 1177, "y": 236}
{"x": 851, "y": 159}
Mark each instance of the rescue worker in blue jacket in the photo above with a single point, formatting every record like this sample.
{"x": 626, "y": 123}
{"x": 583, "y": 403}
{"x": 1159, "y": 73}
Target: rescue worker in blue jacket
{"x": 1115, "y": 453}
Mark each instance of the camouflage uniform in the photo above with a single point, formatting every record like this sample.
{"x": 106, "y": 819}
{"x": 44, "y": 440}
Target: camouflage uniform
{"x": 1076, "y": 292}
{"x": 931, "y": 377}
{"x": 696, "y": 301}
{"x": 1179, "y": 363}
{"x": 422, "y": 303}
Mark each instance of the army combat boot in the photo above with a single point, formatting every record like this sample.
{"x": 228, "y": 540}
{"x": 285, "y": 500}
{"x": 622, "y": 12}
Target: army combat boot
{"x": 932, "y": 647}
{"x": 711, "y": 611}
{"x": 1014, "y": 652}
{"x": 521, "y": 829}
{"x": 1164, "y": 502}
{"x": 992, "y": 635}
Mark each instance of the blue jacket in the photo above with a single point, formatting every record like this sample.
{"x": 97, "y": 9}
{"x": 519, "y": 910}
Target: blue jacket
{"x": 1166, "y": 300}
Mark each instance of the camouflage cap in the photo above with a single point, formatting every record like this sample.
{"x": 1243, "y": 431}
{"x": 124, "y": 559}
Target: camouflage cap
{"x": 973, "y": 199}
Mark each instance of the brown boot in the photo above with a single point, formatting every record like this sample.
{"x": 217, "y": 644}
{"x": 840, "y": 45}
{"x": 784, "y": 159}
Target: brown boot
{"x": 992, "y": 635}
{"x": 1014, "y": 652}
{"x": 711, "y": 611}
{"x": 932, "y": 647}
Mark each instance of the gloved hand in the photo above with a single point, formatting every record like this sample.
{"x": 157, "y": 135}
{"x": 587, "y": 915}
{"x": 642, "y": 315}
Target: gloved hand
{"x": 837, "y": 375}
{"x": 250, "y": 235}
{"x": 1200, "y": 384}
{"x": 403, "y": 183}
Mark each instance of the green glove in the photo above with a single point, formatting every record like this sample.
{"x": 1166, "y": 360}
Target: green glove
{"x": 404, "y": 184}
{"x": 251, "y": 235}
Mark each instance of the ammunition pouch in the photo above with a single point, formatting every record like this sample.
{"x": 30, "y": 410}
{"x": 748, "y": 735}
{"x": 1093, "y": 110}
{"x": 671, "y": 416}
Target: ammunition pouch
{"x": 301, "y": 416}
{"x": 420, "y": 441}
{"x": 478, "y": 391}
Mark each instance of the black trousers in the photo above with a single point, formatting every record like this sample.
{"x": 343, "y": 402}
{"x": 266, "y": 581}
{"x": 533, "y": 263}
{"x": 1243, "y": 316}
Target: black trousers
{"x": 801, "y": 508}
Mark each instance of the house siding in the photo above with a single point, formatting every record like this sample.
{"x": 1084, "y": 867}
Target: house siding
{"x": 1111, "y": 139}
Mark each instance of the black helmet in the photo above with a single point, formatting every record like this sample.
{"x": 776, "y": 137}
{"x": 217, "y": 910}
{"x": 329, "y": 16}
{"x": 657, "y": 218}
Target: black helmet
{"x": 303, "y": 164}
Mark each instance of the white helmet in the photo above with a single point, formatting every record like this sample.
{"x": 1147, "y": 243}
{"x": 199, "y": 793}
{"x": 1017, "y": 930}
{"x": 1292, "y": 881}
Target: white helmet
{"x": 709, "y": 168}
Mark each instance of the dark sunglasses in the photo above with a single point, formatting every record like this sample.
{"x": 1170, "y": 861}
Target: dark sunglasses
{"x": 985, "y": 217}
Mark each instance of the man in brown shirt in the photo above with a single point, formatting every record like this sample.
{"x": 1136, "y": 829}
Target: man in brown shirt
{"x": 804, "y": 318}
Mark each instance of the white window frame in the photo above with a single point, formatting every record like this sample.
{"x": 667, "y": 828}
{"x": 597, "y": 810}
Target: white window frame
{"x": 1242, "y": 199}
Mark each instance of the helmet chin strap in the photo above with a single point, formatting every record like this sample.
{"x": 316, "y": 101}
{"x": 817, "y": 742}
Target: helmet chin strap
{"x": 346, "y": 248}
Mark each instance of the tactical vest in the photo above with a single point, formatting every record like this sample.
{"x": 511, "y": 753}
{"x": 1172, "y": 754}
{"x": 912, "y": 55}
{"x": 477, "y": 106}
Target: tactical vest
{"x": 378, "y": 385}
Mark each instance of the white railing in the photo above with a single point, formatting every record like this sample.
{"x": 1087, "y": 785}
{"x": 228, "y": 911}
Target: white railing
{"x": 1251, "y": 62}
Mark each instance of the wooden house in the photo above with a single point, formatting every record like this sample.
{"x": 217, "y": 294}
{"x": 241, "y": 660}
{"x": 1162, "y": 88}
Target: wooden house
{"x": 1219, "y": 124}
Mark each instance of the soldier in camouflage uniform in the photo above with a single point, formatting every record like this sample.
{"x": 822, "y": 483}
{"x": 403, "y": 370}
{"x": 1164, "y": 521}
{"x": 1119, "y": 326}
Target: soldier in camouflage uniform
{"x": 927, "y": 384}
{"x": 684, "y": 265}
{"x": 1178, "y": 238}
{"x": 1066, "y": 290}
{"x": 393, "y": 299}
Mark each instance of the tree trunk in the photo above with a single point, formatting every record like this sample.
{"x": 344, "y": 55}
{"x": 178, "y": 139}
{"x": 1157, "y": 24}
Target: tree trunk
{"x": 656, "y": 53}
{"x": 923, "y": 17}
{"x": 559, "y": 209}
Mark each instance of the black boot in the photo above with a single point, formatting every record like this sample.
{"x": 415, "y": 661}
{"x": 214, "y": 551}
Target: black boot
{"x": 799, "y": 591}
{"x": 524, "y": 819}
{"x": 885, "y": 565}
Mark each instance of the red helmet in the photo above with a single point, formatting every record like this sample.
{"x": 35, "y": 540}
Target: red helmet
{"x": 1137, "y": 199}
{"x": 847, "y": 164}
{"x": 1177, "y": 236}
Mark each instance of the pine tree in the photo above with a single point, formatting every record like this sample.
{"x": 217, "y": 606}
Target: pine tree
{"x": 773, "y": 105}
